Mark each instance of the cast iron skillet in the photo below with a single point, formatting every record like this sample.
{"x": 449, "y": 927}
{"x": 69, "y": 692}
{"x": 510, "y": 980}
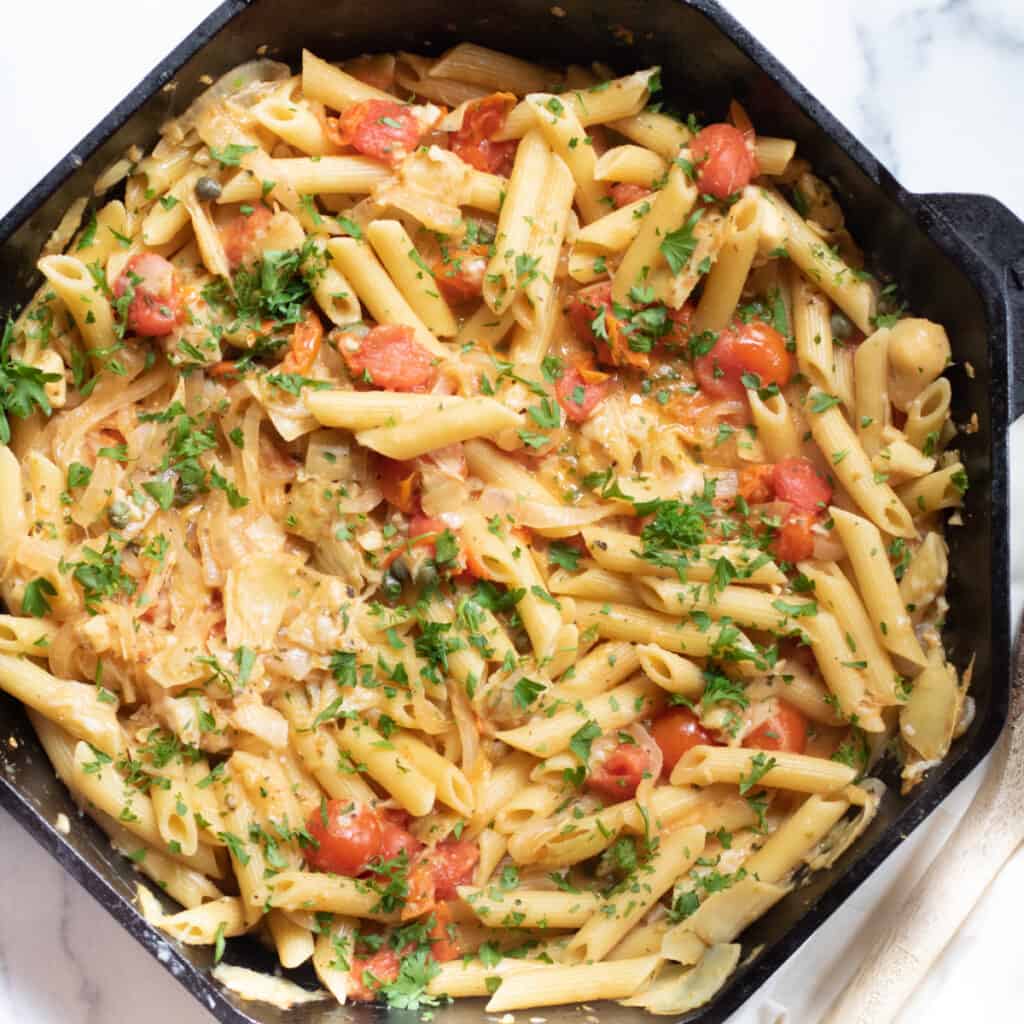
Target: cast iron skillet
{"x": 958, "y": 258}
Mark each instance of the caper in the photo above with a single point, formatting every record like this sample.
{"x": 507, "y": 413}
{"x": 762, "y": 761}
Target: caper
{"x": 208, "y": 188}
{"x": 521, "y": 642}
{"x": 391, "y": 586}
{"x": 119, "y": 515}
{"x": 426, "y": 575}
{"x": 841, "y": 326}
{"x": 400, "y": 570}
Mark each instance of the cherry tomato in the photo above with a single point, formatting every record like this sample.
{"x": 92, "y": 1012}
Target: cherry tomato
{"x": 794, "y": 542}
{"x": 593, "y": 322}
{"x": 369, "y": 974}
{"x": 754, "y": 348}
{"x": 473, "y": 142}
{"x": 307, "y": 337}
{"x": 384, "y": 129}
{"x": 578, "y": 398}
{"x": 459, "y": 273}
{"x": 797, "y": 481}
{"x": 623, "y": 193}
{"x": 725, "y": 163}
{"x": 676, "y": 731}
{"x": 452, "y": 863}
{"x": 421, "y": 898}
{"x": 349, "y": 840}
{"x": 755, "y": 485}
{"x": 425, "y": 529}
{"x": 392, "y": 359}
{"x": 785, "y": 730}
{"x": 240, "y": 233}
{"x": 399, "y": 482}
{"x": 443, "y": 944}
{"x": 681, "y": 328}
{"x": 395, "y": 838}
{"x": 155, "y": 307}
{"x": 618, "y": 776}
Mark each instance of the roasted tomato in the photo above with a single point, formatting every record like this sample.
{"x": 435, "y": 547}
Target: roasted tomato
{"x": 797, "y": 481}
{"x": 399, "y": 483}
{"x": 369, "y": 974}
{"x": 349, "y": 837}
{"x": 443, "y": 944}
{"x": 473, "y": 142}
{"x": 459, "y": 272}
{"x": 755, "y": 484}
{"x": 384, "y": 129}
{"x": 155, "y": 305}
{"x": 593, "y": 321}
{"x": 785, "y": 730}
{"x": 795, "y": 540}
{"x": 724, "y": 161}
{"x": 240, "y": 234}
{"x": 577, "y": 397}
{"x": 617, "y": 777}
{"x": 754, "y": 348}
{"x": 676, "y": 731}
{"x": 623, "y": 193}
{"x": 452, "y": 863}
{"x": 389, "y": 357}
{"x": 307, "y": 337}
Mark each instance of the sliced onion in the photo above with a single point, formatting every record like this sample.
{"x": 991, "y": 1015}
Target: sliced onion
{"x": 727, "y": 483}
{"x": 539, "y": 515}
{"x": 826, "y": 547}
{"x": 229, "y": 84}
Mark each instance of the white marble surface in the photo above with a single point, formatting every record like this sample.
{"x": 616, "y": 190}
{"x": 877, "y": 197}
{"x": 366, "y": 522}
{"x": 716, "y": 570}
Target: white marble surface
{"x": 931, "y": 86}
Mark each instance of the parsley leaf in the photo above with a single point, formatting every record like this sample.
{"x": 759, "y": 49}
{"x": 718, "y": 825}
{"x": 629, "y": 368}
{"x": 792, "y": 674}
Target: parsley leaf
{"x": 678, "y": 246}
{"x": 760, "y": 765}
{"x": 231, "y": 155}
{"x": 526, "y": 691}
{"x": 564, "y": 556}
{"x": 583, "y": 738}
{"x": 22, "y": 386}
{"x": 33, "y": 601}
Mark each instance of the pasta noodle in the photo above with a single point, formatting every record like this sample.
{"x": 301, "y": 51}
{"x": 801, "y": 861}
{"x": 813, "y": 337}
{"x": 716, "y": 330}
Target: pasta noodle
{"x": 472, "y": 548}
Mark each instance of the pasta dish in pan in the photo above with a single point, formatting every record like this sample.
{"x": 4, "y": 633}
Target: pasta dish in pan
{"x": 474, "y": 528}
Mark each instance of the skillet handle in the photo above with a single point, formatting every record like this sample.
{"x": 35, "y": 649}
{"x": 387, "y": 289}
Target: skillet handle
{"x": 996, "y": 235}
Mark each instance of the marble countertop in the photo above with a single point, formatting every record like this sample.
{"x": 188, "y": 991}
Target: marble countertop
{"x": 931, "y": 86}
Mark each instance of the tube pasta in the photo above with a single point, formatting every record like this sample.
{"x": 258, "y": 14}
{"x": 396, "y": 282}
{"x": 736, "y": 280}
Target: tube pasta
{"x": 610, "y": 710}
{"x": 448, "y": 424}
{"x": 667, "y": 213}
{"x": 75, "y": 707}
{"x": 620, "y": 552}
{"x": 942, "y": 489}
{"x": 634, "y": 165}
{"x": 538, "y": 908}
{"x": 676, "y": 854}
{"x": 877, "y": 583}
{"x": 389, "y": 766}
{"x": 609, "y": 101}
{"x": 377, "y": 292}
{"x": 546, "y": 986}
{"x": 724, "y": 283}
{"x": 84, "y": 297}
{"x": 257, "y": 593}
{"x": 844, "y": 452}
{"x": 414, "y": 279}
{"x": 564, "y": 133}
{"x": 703, "y": 765}
{"x": 784, "y": 228}
{"x": 505, "y": 273}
